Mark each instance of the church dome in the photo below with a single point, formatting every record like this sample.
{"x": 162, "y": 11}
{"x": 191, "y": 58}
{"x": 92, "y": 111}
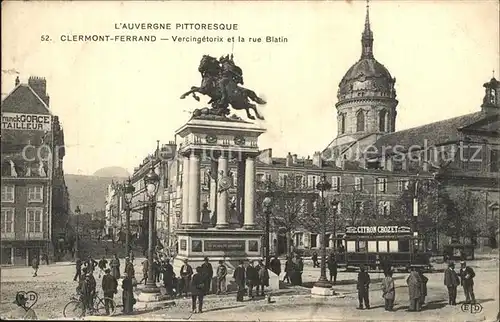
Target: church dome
{"x": 367, "y": 77}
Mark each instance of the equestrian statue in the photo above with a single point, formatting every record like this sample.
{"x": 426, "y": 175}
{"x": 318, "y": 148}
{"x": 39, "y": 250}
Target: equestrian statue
{"x": 220, "y": 81}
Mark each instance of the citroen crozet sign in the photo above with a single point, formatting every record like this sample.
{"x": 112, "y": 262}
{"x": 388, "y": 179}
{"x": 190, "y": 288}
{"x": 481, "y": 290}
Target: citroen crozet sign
{"x": 378, "y": 230}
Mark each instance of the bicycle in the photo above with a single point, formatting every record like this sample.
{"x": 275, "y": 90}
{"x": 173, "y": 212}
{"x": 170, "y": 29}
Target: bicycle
{"x": 75, "y": 307}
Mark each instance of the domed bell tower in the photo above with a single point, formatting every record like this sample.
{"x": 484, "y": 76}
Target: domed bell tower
{"x": 491, "y": 101}
{"x": 366, "y": 95}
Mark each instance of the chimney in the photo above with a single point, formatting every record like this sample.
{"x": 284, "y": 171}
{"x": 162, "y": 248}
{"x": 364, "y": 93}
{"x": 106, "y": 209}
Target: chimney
{"x": 294, "y": 158}
{"x": 317, "y": 161}
{"x": 289, "y": 159}
{"x": 39, "y": 86}
{"x": 266, "y": 156}
{"x": 17, "y": 81}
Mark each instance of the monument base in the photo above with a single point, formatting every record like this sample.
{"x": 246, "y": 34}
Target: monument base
{"x": 152, "y": 301}
{"x": 229, "y": 245}
{"x": 322, "y": 292}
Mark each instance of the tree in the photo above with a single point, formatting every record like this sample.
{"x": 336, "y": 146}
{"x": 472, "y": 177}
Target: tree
{"x": 292, "y": 202}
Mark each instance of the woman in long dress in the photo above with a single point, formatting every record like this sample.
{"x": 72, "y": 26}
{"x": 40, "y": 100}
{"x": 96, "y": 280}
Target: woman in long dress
{"x": 414, "y": 290}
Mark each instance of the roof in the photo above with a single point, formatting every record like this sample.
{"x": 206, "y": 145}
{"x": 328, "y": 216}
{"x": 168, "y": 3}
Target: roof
{"x": 23, "y": 99}
{"x": 430, "y": 134}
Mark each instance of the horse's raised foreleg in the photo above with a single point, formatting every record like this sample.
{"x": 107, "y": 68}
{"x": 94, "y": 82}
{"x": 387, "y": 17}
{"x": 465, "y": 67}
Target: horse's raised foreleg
{"x": 251, "y": 94}
{"x": 191, "y": 91}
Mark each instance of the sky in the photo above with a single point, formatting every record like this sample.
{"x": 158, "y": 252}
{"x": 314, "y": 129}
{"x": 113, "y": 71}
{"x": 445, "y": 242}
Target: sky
{"x": 115, "y": 100}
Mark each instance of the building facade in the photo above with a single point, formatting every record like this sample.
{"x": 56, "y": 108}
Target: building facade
{"x": 35, "y": 198}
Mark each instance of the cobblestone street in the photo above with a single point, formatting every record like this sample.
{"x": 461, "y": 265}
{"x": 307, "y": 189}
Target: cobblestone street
{"x": 55, "y": 286}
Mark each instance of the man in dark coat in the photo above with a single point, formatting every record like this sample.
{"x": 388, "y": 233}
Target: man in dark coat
{"x": 263, "y": 277}
{"x": 332, "y": 267}
{"x": 128, "y": 295}
{"x": 315, "y": 260}
{"x": 168, "y": 277}
{"x": 102, "y": 265}
{"x": 186, "y": 274}
{"x": 91, "y": 264}
{"x": 115, "y": 267}
{"x": 34, "y": 265}
{"x": 207, "y": 273}
{"x": 288, "y": 270}
{"x": 467, "y": 281}
{"x": 363, "y": 286}
{"x": 300, "y": 269}
{"x": 239, "y": 276}
{"x": 129, "y": 268}
{"x": 109, "y": 288}
{"x": 78, "y": 267}
{"x": 198, "y": 290}
{"x": 252, "y": 276}
{"x": 451, "y": 281}
{"x": 275, "y": 266}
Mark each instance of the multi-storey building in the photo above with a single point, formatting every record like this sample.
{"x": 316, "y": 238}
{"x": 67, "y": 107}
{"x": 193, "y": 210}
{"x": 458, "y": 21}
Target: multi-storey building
{"x": 35, "y": 199}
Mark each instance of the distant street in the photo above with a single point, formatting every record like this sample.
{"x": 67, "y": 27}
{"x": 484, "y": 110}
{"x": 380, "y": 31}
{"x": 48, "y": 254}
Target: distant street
{"x": 55, "y": 285}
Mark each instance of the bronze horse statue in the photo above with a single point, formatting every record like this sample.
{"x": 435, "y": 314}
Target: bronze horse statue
{"x": 220, "y": 79}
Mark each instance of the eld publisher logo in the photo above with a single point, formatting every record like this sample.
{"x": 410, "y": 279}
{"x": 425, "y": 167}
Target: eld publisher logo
{"x": 472, "y": 308}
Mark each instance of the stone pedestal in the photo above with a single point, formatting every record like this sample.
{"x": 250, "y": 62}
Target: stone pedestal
{"x": 321, "y": 292}
{"x": 221, "y": 140}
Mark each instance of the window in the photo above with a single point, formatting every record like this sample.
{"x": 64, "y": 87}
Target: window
{"x": 335, "y": 183}
{"x": 393, "y": 246}
{"x": 351, "y": 246}
{"x": 359, "y": 207}
{"x": 282, "y": 177}
{"x": 403, "y": 185}
{"x": 382, "y": 184}
{"x": 382, "y": 246}
{"x": 8, "y": 193}
{"x": 360, "y": 121}
{"x": 261, "y": 177}
{"x": 494, "y": 160}
{"x": 384, "y": 208}
{"x": 267, "y": 176}
{"x": 362, "y": 246}
{"x": 358, "y": 184}
{"x": 299, "y": 239}
{"x": 312, "y": 181}
{"x": 314, "y": 240}
{"x": 372, "y": 246}
{"x": 299, "y": 181}
{"x": 203, "y": 177}
{"x": 342, "y": 123}
{"x": 7, "y": 221}
{"x": 404, "y": 245}
{"x": 34, "y": 221}
{"x": 381, "y": 120}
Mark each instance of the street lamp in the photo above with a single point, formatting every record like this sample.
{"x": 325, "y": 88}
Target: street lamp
{"x": 323, "y": 286}
{"x": 77, "y": 213}
{"x": 128, "y": 191}
{"x": 152, "y": 181}
{"x": 266, "y": 206}
{"x": 335, "y": 204}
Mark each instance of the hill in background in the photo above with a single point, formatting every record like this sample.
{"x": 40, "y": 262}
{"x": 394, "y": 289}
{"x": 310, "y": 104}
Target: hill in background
{"x": 112, "y": 172}
{"x": 89, "y": 192}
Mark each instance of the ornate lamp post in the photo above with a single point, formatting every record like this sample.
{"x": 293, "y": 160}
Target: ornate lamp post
{"x": 266, "y": 206}
{"x": 323, "y": 287}
{"x": 335, "y": 204}
{"x": 128, "y": 191}
{"x": 77, "y": 213}
{"x": 152, "y": 181}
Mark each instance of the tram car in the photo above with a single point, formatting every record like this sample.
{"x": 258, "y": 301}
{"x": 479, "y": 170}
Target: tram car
{"x": 381, "y": 247}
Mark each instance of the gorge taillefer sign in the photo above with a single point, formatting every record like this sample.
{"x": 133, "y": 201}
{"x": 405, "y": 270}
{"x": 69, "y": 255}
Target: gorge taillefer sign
{"x": 26, "y": 122}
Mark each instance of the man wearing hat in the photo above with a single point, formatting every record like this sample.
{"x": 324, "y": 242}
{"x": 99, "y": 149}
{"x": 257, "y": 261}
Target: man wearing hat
{"x": 186, "y": 274}
{"x": 467, "y": 281}
{"x": 451, "y": 281}
{"x": 207, "y": 274}
{"x": 363, "y": 286}
{"x": 109, "y": 288}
